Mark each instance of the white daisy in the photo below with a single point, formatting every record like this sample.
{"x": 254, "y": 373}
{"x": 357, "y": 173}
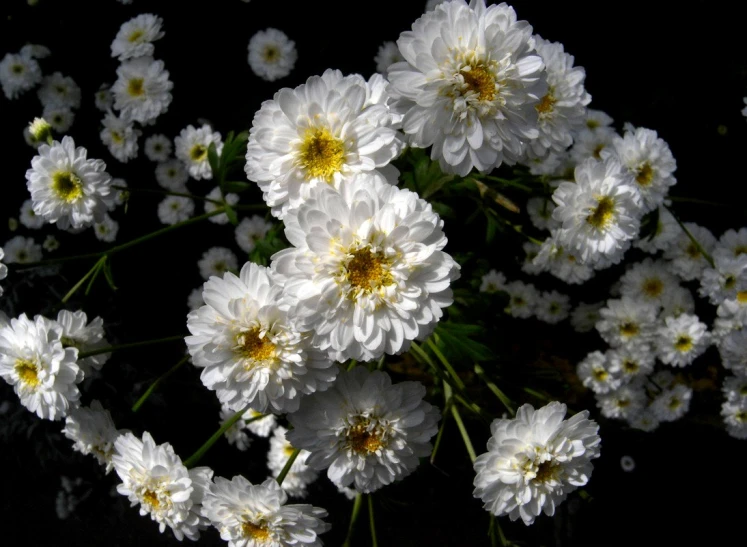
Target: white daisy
{"x": 723, "y": 281}
{"x": 686, "y": 259}
{"x": 142, "y": 91}
{"x": 734, "y": 388}
{"x": 588, "y": 144}
{"x": 557, "y": 258}
{"x": 627, "y": 322}
{"x": 250, "y": 231}
{"x": 469, "y": 86}
{"x": 136, "y": 36}
{"x": 732, "y": 242}
{"x": 175, "y": 209}
{"x": 120, "y": 137}
{"x": 320, "y": 133}
{"x": 60, "y": 118}
{"x": 106, "y": 230}
{"x": 158, "y": 147}
{"x": 677, "y": 301}
{"x": 522, "y": 299}
{"x": 155, "y": 478}
{"x": 735, "y": 417}
{"x": 272, "y": 55}
{"x": 585, "y": 316}
{"x": 632, "y": 361}
{"x": 681, "y": 340}
{"x": 300, "y": 475}
{"x": 104, "y": 98}
{"x": 67, "y": 188}
{"x": 22, "y": 250}
{"x": 79, "y": 333}
{"x": 172, "y": 175}
{"x": 672, "y": 404}
{"x": 493, "y": 281}
{"x": 92, "y": 431}
{"x": 364, "y": 430}
{"x": 236, "y": 434}
{"x": 540, "y": 213}
{"x": 552, "y": 307}
{"x": 531, "y": 250}
{"x": 624, "y": 403}
{"x": 216, "y": 261}
{"x": 666, "y": 232}
{"x": 366, "y": 273}
{"x": 263, "y": 426}
{"x": 650, "y": 281}
{"x": 191, "y": 147}
{"x": 42, "y": 372}
{"x": 597, "y": 372}
{"x": 18, "y": 74}
{"x": 28, "y": 217}
{"x": 50, "y": 243}
{"x": 535, "y": 460}
{"x": 216, "y": 195}
{"x": 59, "y": 90}
{"x": 596, "y": 119}
{"x": 387, "y": 55}
{"x": 733, "y": 350}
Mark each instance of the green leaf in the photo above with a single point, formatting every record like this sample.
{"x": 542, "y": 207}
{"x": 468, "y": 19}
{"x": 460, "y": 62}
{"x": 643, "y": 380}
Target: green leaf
{"x": 457, "y": 340}
{"x": 213, "y": 160}
{"x": 108, "y": 274}
{"x": 236, "y": 186}
{"x": 231, "y": 214}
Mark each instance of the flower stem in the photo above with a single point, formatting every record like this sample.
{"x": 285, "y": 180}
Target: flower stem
{"x": 194, "y": 458}
{"x": 94, "y": 269}
{"x": 158, "y": 381}
{"x": 371, "y": 522}
{"x": 445, "y": 362}
{"x": 460, "y": 424}
{"x": 494, "y": 388}
{"x": 697, "y": 244}
{"x": 98, "y": 351}
{"x": 288, "y": 465}
{"x": 353, "y": 519}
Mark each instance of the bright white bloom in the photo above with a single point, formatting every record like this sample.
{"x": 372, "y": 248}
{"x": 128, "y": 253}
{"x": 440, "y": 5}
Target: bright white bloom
{"x": 596, "y": 119}
{"x": 687, "y": 260}
{"x": 557, "y": 166}
{"x": 590, "y": 143}
{"x": 92, "y": 431}
{"x": 3, "y": 275}
{"x": 625, "y": 403}
{"x": 321, "y": 132}
{"x": 18, "y": 74}
{"x": 367, "y": 273}
{"x": 627, "y": 321}
{"x": 22, "y": 250}
{"x": 251, "y": 354}
{"x": 535, "y": 460}
{"x": 522, "y": 299}
{"x": 106, "y": 230}
{"x": 272, "y": 55}
{"x": 681, "y": 339}
{"x": 172, "y": 175}
{"x": 175, "y": 209}
{"x": 540, "y": 213}
{"x": 143, "y": 90}
{"x": 158, "y": 147}
{"x": 735, "y": 417}
{"x": 248, "y": 515}
{"x": 598, "y": 213}
{"x": 300, "y": 474}
{"x": 469, "y": 86}
{"x": 42, "y": 372}
{"x": 120, "y": 136}
{"x": 493, "y": 281}
{"x": 387, "y": 55}
{"x": 236, "y": 434}
{"x": 733, "y": 350}
{"x": 78, "y": 333}
{"x": 632, "y": 361}
{"x": 733, "y": 243}
{"x": 67, "y": 188}
{"x": 597, "y": 373}
{"x": 136, "y": 36}
{"x": 724, "y": 281}
{"x": 216, "y": 195}
{"x": 263, "y": 426}
{"x": 672, "y": 404}
{"x": 431, "y": 4}
{"x": 650, "y": 281}
{"x": 552, "y": 307}
{"x": 734, "y": 388}
{"x": 666, "y": 232}
{"x": 627, "y": 463}
{"x": 250, "y": 231}
{"x": 217, "y": 261}
{"x": 585, "y": 316}
{"x": 59, "y": 90}
{"x": 561, "y": 261}
{"x": 61, "y": 118}
{"x": 192, "y": 148}
{"x": 104, "y": 98}
{"x": 364, "y": 430}
{"x": 28, "y": 217}
{"x": 155, "y": 478}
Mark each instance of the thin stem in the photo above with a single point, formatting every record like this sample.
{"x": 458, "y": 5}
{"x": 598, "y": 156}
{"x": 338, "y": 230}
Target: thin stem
{"x": 371, "y": 522}
{"x": 288, "y": 465}
{"x": 537, "y": 394}
{"x": 158, "y": 381}
{"x": 463, "y": 431}
{"x": 353, "y": 519}
{"x": 446, "y": 364}
{"x": 194, "y": 458}
{"x": 352, "y": 364}
{"x": 506, "y": 182}
{"x": 421, "y": 356}
{"x": 437, "y": 444}
{"x": 697, "y": 244}
{"x": 494, "y": 388}
{"x": 95, "y": 268}
{"x": 84, "y": 354}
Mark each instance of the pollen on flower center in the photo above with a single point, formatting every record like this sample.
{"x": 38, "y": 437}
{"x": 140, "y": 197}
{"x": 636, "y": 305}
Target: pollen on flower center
{"x": 653, "y": 287}
{"x": 321, "y": 154}
{"x": 135, "y": 87}
{"x": 631, "y": 367}
{"x": 547, "y": 104}
{"x": 602, "y": 214}
{"x": 683, "y": 343}
{"x": 545, "y": 471}
{"x": 742, "y": 297}
{"x": 364, "y": 439}
{"x": 600, "y": 374}
{"x": 258, "y": 532}
{"x": 629, "y": 329}
{"x": 254, "y": 347}
{"x": 135, "y": 36}
{"x": 28, "y": 372}
{"x": 367, "y": 271}
{"x": 479, "y": 80}
{"x": 67, "y": 185}
{"x": 644, "y": 174}
{"x": 270, "y": 54}
{"x": 151, "y": 498}
{"x": 692, "y": 251}
{"x": 198, "y": 153}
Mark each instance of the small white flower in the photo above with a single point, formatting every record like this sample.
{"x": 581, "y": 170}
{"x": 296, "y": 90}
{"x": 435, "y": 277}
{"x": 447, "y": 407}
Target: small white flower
{"x": 28, "y": 217}
{"x": 142, "y": 91}
{"x": 22, "y": 250}
{"x": 561, "y": 261}
{"x": 18, "y": 74}
{"x": 175, "y": 209}
{"x": 627, "y": 321}
{"x": 596, "y": 119}
{"x": 60, "y": 118}
{"x": 666, "y": 232}
{"x": 263, "y": 426}
{"x": 50, "y": 243}
{"x": 724, "y": 280}
{"x": 192, "y": 149}
{"x": 735, "y": 417}
{"x": 216, "y": 195}
{"x": 522, "y": 299}
{"x": 733, "y": 350}
{"x": 216, "y": 261}
{"x": 195, "y": 300}
{"x": 82, "y": 335}
{"x": 644, "y": 421}
{"x": 493, "y": 281}
{"x": 650, "y": 281}
{"x": 540, "y": 213}
{"x": 272, "y": 55}
{"x": 300, "y": 475}
{"x": 104, "y": 98}
{"x": 732, "y": 243}
{"x": 597, "y": 373}
{"x": 632, "y": 361}
{"x": 678, "y": 301}
{"x": 106, "y": 230}
{"x": 734, "y": 388}
{"x": 136, "y": 36}
{"x": 624, "y": 403}
{"x": 387, "y": 55}
{"x": 681, "y": 339}
{"x": 59, "y": 90}
{"x": 590, "y": 143}
{"x": 120, "y": 137}
{"x": 93, "y": 432}
{"x": 172, "y": 175}
{"x": 236, "y": 434}
{"x": 672, "y": 404}
{"x": 531, "y": 250}
{"x": 250, "y": 231}
{"x": 686, "y": 259}
{"x": 585, "y": 316}
{"x": 158, "y": 148}
{"x": 552, "y": 307}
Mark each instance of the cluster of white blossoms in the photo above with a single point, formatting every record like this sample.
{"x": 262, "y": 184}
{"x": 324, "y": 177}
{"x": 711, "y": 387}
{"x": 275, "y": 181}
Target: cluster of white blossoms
{"x": 525, "y": 300}
{"x": 272, "y": 55}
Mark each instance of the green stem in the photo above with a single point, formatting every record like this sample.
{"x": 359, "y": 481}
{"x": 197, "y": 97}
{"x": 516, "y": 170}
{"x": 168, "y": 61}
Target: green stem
{"x": 94, "y": 269}
{"x": 445, "y": 362}
{"x": 506, "y": 182}
{"x": 194, "y": 458}
{"x": 288, "y": 465}
{"x": 537, "y": 394}
{"x": 422, "y": 357}
{"x": 494, "y": 388}
{"x": 437, "y": 444}
{"x": 353, "y": 519}
{"x": 463, "y": 432}
{"x": 697, "y": 244}
{"x": 352, "y": 364}
{"x": 158, "y": 381}
{"x": 371, "y": 522}
{"x": 98, "y": 351}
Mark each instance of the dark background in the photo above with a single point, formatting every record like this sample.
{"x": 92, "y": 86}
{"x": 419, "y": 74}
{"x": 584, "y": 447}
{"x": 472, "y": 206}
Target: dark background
{"x": 677, "y": 69}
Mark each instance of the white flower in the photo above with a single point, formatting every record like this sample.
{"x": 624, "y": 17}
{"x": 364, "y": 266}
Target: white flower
{"x": 248, "y": 515}
{"x": 585, "y": 316}
{"x": 3, "y": 275}
{"x": 93, "y": 432}
{"x": 50, "y": 243}
{"x": 596, "y": 119}
{"x": 175, "y": 209}
{"x": 589, "y": 143}
{"x": 597, "y": 373}
{"x": 627, "y": 321}
{"x": 28, "y": 217}
{"x": 61, "y": 118}
{"x": 120, "y": 137}
{"x": 666, "y": 232}
{"x": 300, "y": 474}
{"x": 272, "y": 55}
{"x": 192, "y": 149}
{"x": 644, "y": 421}
{"x": 250, "y": 231}
{"x": 732, "y": 242}
{"x": 522, "y": 299}
{"x": 598, "y": 213}
{"x": 681, "y": 339}
{"x": 250, "y": 352}
{"x": 632, "y": 361}
{"x": 136, "y": 36}
{"x": 493, "y": 281}
{"x": 724, "y": 280}
{"x": 733, "y": 350}
{"x": 540, "y": 213}
{"x": 686, "y": 259}
{"x": 535, "y": 460}
{"x": 624, "y": 403}
{"x": 387, "y": 55}
{"x": 364, "y": 430}
{"x": 59, "y": 90}
{"x": 236, "y": 434}
{"x": 216, "y": 261}
{"x": 671, "y": 404}
{"x": 18, "y": 74}
{"x": 158, "y": 147}
{"x": 67, "y": 188}
{"x": 678, "y": 301}
{"x": 194, "y": 300}
{"x": 106, "y": 230}
{"x": 263, "y": 426}
{"x": 104, "y": 99}
{"x": 469, "y": 85}
{"x": 650, "y": 281}
{"x": 155, "y": 478}
{"x": 366, "y": 272}
{"x": 42, "y": 372}
{"x": 734, "y": 388}
{"x": 735, "y": 417}
{"x": 143, "y": 90}
{"x": 561, "y": 261}
{"x": 172, "y": 175}
{"x": 216, "y": 195}
{"x": 321, "y": 132}
{"x": 552, "y": 307}
{"x": 22, "y": 250}
{"x": 78, "y": 333}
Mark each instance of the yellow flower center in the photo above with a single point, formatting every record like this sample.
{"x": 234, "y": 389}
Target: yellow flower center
{"x": 288, "y": 450}
{"x": 67, "y": 185}
{"x": 644, "y": 174}
{"x": 629, "y": 329}
{"x": 151, "y": 498}
{"x": 197, "y": 153}
{"x": 674, "y": 403}
{"x": 740, "y": 250}
{"x": 631, "y": 367}
{"x": 258, "y": 532}
{"x": 653, "y": 287}
{"x": 271, "y": 54}
{"x": 28, "y": 372}
{"x": 481, "y": 81}
{"x": 741, "y": 416}
{"x": 17, "y": 69}
{"x": 597, "y": 152}
{"x": 254, "y": 347}
{"x": 742, "y": 297}
{"x": 547, "y": 104}
{"x": 364, "y": 439}
{"x": 135, "y": 87}
{"x": 117, "y": 137}
{"x": 321, "y": 154}
{"x": 683, "y": 343}
{"x": 368, "y": 271}
{"x": 135, "y": 36}
{"x": 600, "y": 375}
{"x": 730, "y": 282}
{"x": 545, "y": 472}
{"x": 601, "y": 215}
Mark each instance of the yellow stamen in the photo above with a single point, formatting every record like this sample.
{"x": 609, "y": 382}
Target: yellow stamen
{"x": 545, "y": 472}
{"x": 321, "y": 154}
{"x": 742, "y": 297}
{"x": 367, "y": 271}
{"x": 481, "y": 81}
{"x": 135, "y": 36}
{"x": 151, "y": 498}
{"x": 362, "y": 439}
{"x": 252, "y": 347}
{"x": 259, "y": 531}
{"x": 135, "y": 87}
{"x": 629, "y": 329}
{"x": 602, "y": 214}
{"x": 644, "y": 175}
{"x": 653, "y": 287}
{"x": 270, "y": 54}
{"x": 28, "y": 372}
{"x": 684, "y": 343}
{"x": 67, "y": 185}
{"x": 547, "y": 104}
{"x": 197, "y": 153}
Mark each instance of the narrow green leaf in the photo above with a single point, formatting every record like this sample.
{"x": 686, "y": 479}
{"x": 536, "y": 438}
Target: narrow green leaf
{"x": 213, "y": 160}
{"x": 231, "y": 214}
{"x": 236, "y": 186}
{"x": 108, "y": 274}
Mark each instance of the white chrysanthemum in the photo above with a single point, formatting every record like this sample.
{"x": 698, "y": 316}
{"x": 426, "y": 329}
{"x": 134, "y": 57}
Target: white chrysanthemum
{"x": 236, "y": 434}
{"x": 35, "y": 51}
{"x": 18, "y": 74}
{"x": 272, "y": 55}
{"x": 597, "y": 373}
{"x": 552, "y": 307}
{"x": 92, "y": 431}
{"x": 596, "y": 119}
{"x": 557, "y": 166}
{"x": 645, "y": 421}
{"x": 120, "y": 137}
{"x": 261, "y": 427}
{"x": 249, "y": 515}
{"x": 365, "y": 430}
{"x": 106, "y": 230}
{"x": 650, "y": 281}
{"x": 678, "y": 301}
{"x": 686, "y": 259}
{"x": 681, "y": 339}
{"x": 300, "y": 475}
{"x": 321, "y": 132}
{"x": 158, "y": 147}
{"x": 535, "y": 460}
{"x": 672, "y": 404}
{"x": 624, "y": 403}
{"x": 734, "y": 388}
{"x": 522, "y": 299}
{"x": 531, "y": 250}
{"x": 175, "y": 209}
{"x": 724, "y": 280}
{"x": 59, "y": 90}
{"x": 598, "y": 213}
{"x": 142, "y": 91}
{"x": 84, "y": 336}
{"x": 22, "y": 250}
{"x": 136, "y": 36}
{"x": 590, "y": 143}
{"x": 216, "y": 261}
{"x": 733, "y": 243}
{"x": 562, "y": 110}
{"x": 28, "y": 217}
{"x": 210, "y": 206}
{"x": 367, "y": 273}
{"x": 555, "y": 257}
{"x": 735, "y": 416}
{"x": 191, "y": 147}
{"x": 733, "y": 350}
{"x": 155, "y": 478}
{"x": 493, "y": 281}
{"x": 666, "y": 232}
{"x": 648, "y": 165}
{"x": 387, "y": 55}
{"x": 67, "y": 188}
{"x": 3, "y": 275}
{"x": 250, "y": 352}
{"x": 632, "y": 361}
{"x": 60, "y": 118}
{"x": 42, "y": 372}
{"x": 540, "y": 213}
{"x": 585, "y": 316}
{"x": 469, "y": 86}
{"x": 104, "y": 98}
{"x": 627, "y": 322}
{"x": 172, "y": 175}
{"x": 250, "y": 231}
